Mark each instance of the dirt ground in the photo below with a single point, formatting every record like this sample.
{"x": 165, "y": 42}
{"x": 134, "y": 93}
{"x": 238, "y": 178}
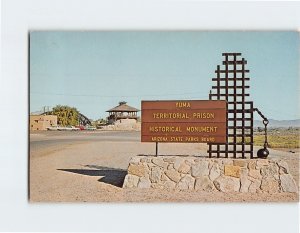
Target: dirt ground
{"x": 91, "y": 166}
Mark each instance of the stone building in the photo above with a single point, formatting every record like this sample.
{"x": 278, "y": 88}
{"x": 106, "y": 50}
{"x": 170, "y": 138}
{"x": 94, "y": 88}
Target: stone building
{"x": 42, "y": 122}
{"x": 122, "y": 113}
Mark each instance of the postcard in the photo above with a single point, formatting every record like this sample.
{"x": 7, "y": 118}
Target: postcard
{"x": 164, "y": 116}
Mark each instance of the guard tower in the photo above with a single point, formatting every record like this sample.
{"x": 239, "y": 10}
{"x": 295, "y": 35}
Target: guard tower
{"x": 122, "y": 111}
{"x": 232, "y": 84}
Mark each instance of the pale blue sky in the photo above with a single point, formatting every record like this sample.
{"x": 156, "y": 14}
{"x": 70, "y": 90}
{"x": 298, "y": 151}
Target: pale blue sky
{"x": 93, "y": 71}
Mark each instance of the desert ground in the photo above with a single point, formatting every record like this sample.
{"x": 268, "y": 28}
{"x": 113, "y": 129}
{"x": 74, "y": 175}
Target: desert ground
{"x": 90, "y": 166}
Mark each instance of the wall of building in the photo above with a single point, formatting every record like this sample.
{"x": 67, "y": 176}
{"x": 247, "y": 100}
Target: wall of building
{"x": 122, "y": 118}
{"x": 42, "y": 122}
{"x": 125, "y": 121}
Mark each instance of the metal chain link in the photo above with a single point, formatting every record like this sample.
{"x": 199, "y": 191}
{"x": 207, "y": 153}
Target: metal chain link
{"x": 265, "y": 122}
{"x": 266, "y": 136}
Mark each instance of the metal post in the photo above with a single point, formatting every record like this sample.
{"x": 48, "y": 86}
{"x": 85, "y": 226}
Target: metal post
{"x": 156, "y": 149}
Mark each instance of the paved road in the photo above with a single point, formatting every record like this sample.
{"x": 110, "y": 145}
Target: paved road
{"x": 50, "y": 139}
{"x": 44, "y": 139}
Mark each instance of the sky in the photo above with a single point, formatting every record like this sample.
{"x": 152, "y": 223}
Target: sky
{"x": 94, "y": 70}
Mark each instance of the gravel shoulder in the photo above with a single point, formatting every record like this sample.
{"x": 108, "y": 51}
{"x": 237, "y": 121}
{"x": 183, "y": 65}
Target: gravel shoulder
{"x": 91, "y": 166}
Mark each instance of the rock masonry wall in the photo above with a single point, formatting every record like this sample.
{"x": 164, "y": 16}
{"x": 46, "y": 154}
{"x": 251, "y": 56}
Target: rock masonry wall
{"x": 210, "y": 174}
{"x": 125, "y": 124}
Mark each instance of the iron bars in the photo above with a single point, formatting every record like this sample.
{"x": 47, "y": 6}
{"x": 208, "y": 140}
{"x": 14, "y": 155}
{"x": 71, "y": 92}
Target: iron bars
{"x": 231, "y": 84}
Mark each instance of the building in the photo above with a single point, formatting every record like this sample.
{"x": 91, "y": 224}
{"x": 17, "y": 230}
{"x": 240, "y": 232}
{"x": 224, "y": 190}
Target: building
{"x": 42, "y": 122}
{"x": 122, "y": 113}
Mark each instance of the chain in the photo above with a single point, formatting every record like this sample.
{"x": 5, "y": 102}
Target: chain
{"x": 265, "y": 122}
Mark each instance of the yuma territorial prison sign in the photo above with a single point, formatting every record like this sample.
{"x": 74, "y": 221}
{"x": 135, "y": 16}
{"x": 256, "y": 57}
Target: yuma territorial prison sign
{"x": 198, "y": 121}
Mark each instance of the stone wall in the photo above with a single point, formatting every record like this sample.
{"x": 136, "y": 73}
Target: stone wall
{"x": 210, "y": 175}
{"x": 125, "y": 125}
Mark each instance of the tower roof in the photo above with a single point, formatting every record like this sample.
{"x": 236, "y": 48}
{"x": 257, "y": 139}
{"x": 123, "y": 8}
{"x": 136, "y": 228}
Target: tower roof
{"x": 123, "y": 107}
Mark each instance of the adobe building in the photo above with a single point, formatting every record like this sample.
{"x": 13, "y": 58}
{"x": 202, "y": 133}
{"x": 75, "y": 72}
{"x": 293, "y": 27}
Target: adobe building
{"x": 42, "y": 122}
{"x": 122, "y": 113}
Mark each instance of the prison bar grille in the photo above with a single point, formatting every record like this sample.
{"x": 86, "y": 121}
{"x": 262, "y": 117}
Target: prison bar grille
{"x": 231, "y": 85}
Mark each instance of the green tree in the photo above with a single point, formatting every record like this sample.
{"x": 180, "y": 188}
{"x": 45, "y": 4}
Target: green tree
{"x": 65, "y": 115}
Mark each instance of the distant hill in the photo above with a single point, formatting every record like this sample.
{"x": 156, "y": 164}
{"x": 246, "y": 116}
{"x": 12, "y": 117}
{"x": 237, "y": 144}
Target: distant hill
{"x": 277, "y": 123}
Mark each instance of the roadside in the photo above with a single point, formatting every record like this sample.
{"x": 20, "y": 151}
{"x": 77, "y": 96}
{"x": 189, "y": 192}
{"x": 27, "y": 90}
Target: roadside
{"x": 91, "y": 166}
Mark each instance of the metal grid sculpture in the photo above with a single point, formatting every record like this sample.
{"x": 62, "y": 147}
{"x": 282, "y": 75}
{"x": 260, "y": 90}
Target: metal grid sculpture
{"x": 231, "y": 84}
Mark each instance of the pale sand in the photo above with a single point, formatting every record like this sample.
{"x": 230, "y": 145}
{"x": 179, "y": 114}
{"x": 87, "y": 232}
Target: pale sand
{"x": 93, "y": 171}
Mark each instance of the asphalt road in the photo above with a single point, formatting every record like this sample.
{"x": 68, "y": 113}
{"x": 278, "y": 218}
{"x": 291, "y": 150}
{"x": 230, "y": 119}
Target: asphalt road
{"x": 51, "y": 139}
{"x": 44, "y": 139}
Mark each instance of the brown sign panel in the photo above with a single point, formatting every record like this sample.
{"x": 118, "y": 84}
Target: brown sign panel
{"x": 199, "y": 121}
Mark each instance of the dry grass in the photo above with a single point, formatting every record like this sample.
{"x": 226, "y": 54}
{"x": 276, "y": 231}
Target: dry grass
{"x": 278, "y": 141}
{"x": 277, "y": 138}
